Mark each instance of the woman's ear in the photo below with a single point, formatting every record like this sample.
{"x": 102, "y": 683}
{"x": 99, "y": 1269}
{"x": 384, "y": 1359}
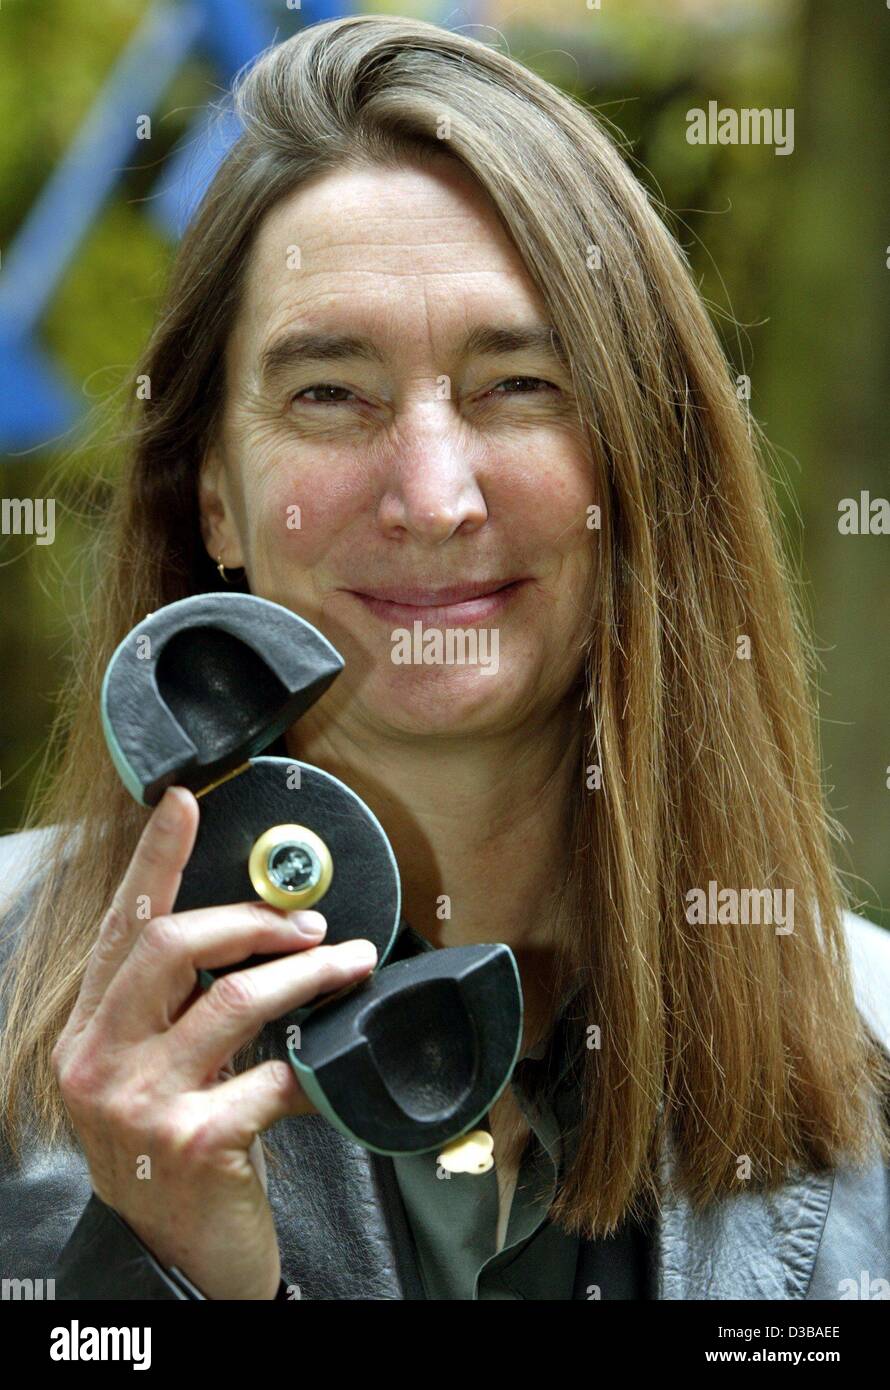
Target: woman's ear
{"x": 218, "y": 526}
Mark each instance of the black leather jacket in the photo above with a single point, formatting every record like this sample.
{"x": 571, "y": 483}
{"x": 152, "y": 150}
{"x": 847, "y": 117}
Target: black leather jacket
{"x": 343, "y": 1233}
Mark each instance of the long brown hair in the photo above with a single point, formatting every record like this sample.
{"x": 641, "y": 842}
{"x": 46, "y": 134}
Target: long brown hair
{"x": 741, "y": 1040}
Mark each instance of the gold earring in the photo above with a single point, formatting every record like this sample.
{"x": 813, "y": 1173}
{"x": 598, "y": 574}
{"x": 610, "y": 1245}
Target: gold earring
{"x": 222, "y": 569}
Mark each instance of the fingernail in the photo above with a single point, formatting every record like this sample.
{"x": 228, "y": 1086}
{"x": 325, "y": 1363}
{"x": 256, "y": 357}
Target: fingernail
{"x": 309, "y": 923}
{"x": 168, "y": 810}
{"x": 360, "y": 952}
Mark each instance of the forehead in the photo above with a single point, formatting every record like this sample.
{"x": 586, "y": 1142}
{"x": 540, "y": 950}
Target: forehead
{"x": 381, "y": 246}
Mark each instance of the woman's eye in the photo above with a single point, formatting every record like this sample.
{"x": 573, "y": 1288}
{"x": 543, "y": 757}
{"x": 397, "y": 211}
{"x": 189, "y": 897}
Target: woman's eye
{"x": 304, "y": 395}
{"x": 326, "y": 394}
{"x": 526, "y": 385}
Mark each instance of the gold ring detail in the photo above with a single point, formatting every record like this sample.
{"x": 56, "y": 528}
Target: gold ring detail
{"x": 259, "y": 866}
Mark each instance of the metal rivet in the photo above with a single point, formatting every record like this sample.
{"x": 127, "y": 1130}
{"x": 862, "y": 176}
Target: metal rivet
{"x": 290, "y": 866}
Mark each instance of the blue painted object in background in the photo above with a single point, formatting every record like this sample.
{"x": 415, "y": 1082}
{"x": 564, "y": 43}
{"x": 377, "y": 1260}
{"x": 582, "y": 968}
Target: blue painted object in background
{"x": 36, "y": 403}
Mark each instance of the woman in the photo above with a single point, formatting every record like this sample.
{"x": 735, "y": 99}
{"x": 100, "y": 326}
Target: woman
{"x": 428, "y": 354}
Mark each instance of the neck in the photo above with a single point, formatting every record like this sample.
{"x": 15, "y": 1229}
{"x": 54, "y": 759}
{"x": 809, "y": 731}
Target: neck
{"x": 479, "y": 828}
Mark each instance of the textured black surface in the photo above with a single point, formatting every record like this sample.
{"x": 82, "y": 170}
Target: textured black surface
{"x": 415, "y": 1054}
{"x": 203, "y": 684}
{"x": 363, "y": 899}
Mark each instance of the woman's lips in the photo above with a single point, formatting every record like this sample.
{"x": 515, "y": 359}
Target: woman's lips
{"x": 456, "y": 613}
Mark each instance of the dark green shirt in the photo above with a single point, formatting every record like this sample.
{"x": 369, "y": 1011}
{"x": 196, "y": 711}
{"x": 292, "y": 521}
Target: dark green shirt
{"x": 453, "y": 1217}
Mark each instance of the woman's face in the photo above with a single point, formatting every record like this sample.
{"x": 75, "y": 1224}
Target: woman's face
{"x": 400, "y": 440}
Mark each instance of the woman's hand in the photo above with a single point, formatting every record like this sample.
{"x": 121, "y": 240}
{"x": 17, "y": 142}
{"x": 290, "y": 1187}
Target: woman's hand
{"x": 169, "y": 1134}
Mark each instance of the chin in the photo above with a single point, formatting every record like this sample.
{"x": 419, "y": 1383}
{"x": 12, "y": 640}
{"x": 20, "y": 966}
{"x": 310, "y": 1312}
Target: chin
{"x": 430, "y": 700}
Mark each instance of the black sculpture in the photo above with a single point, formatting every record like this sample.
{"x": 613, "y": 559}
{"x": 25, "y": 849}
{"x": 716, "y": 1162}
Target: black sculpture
{"x": 411, "y": 1057}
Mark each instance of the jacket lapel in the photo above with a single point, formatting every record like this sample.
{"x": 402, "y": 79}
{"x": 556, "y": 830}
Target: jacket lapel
{"x": 404, "y": 1248}
{"x": 754, "y": 1246}
{"x": 337, "y": 1233}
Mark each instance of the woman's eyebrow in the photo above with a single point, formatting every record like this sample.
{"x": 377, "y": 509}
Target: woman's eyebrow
{"x": 295, "y": 347}
{"x": 484, "y": 340}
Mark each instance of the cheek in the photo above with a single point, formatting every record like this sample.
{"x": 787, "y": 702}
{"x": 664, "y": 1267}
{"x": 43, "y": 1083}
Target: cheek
{"x": 295, "y": 514}
{"x": 546, "y": 503}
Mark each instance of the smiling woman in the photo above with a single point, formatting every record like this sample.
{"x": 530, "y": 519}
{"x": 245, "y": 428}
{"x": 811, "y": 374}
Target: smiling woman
{"x": 426, "y": 491}
{"x": 430, "y": 359}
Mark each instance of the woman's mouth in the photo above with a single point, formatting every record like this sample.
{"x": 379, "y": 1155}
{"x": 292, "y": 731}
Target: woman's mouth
{"x": 458, "y": 606}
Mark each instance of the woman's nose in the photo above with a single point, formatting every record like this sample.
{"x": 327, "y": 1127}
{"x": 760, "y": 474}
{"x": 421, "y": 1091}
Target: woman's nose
{"x": 431, "y": 488}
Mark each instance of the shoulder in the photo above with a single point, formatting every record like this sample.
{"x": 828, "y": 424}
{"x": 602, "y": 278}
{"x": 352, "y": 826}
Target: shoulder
{"x": 22, "y": 856}
{"x": 869, "y": 951}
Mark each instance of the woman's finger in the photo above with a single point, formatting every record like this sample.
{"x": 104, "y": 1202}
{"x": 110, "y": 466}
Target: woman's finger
{"x": 148, "y": 889}
{"x": 159, "y": 975}
{"x": 233, "y": 1113}
{"x": 236, "y": 1006}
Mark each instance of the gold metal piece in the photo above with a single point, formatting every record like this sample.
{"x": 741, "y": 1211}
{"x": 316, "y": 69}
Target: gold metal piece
{"x": 471, "y": 1153}
{"x": 242, "y": 767}
{"x": 259, "y": 866}
{"x": 222, "y": 569}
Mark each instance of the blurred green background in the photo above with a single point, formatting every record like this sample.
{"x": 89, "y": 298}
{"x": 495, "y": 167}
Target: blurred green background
{"x": 791, "y": 253}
